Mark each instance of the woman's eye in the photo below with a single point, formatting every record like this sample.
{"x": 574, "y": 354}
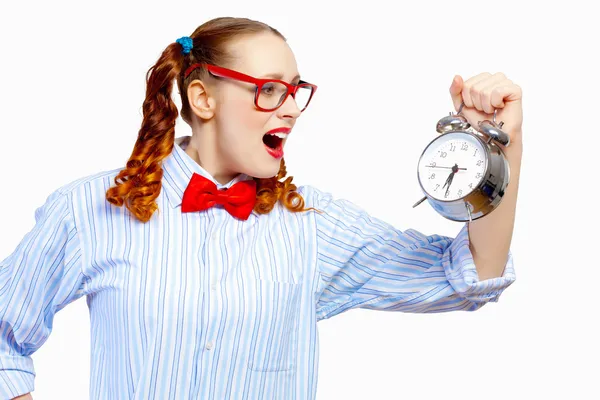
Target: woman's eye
{"x": 267, "y": 89}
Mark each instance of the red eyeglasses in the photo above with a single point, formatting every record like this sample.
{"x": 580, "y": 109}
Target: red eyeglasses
{"x": 269, "y": 94}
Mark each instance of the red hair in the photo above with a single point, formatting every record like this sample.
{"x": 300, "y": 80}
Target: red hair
{"x": 139, "y": 183}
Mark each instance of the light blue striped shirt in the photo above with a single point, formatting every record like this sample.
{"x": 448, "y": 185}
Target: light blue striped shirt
{"x": 201, "y": 305}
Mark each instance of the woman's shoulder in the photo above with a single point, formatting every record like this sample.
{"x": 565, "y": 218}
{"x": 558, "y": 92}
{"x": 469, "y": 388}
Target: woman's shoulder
{"x": 323, "y": 199}
{"x": 318, "y": 196}
{"x": 311, "y": 193}
{"x": 84, "y": 190}
{"x": 79, "y": 192}
{"x": 101, "y": 179}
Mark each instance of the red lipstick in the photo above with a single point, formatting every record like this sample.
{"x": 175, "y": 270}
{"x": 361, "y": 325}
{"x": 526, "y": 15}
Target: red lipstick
{"x": 274, "y": 143}
{"x": 280, "y": 129}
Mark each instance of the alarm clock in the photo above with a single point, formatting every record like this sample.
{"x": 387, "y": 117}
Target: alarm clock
{"x": 463, "y": 172}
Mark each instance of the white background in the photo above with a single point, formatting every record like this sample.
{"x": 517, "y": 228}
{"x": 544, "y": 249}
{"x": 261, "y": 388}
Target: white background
{"x": 72, "y": 88}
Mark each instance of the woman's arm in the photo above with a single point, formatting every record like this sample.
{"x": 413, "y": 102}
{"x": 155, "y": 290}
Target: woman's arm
{"x": 490, "y": 237}
{"x": 41, "y": 276}
{"x": 365, "y": 262}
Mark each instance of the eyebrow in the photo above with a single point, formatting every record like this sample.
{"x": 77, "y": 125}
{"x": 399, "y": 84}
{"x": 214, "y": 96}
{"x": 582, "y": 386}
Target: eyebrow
{"x": 280, "y": 76}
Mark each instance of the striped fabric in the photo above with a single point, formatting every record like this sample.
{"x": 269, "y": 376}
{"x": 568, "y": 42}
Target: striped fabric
{"x": 201, "y": 305}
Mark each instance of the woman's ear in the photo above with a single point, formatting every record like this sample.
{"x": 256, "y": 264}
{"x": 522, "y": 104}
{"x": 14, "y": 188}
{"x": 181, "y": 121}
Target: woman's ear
{"x": 201, "y": 103}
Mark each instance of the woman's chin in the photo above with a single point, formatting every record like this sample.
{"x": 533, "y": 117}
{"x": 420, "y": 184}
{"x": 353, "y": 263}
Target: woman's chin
{"x": 266, "y": 171}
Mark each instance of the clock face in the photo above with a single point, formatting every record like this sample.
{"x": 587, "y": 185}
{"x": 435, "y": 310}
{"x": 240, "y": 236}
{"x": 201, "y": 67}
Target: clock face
{"x": 452, "y": 166}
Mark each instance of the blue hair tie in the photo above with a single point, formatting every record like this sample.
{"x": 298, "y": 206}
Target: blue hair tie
{"x": 187, "y": 43}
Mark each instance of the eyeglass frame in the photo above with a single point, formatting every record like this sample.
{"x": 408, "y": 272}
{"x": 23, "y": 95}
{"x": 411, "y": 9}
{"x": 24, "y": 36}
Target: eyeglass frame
{"x": 259, "y": 82}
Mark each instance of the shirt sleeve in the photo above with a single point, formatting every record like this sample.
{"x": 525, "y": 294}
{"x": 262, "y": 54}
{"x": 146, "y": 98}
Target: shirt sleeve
{"x": 40, "y": 277}
{"x": 364, "y": 262}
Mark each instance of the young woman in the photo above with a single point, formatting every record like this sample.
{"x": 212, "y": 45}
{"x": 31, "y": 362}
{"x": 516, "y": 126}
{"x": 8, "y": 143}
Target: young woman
{"x": 206, "y": 271}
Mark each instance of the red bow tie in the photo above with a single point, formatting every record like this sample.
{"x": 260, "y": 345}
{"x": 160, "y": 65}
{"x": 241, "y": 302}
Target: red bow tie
{"x": 201, "y": 193}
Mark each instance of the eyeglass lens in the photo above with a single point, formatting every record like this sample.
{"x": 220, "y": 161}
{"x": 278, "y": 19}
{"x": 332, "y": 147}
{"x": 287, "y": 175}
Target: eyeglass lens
{"x": 272, "y": 94}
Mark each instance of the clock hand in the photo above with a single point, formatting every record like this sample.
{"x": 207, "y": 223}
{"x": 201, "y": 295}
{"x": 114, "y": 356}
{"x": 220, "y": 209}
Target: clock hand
{"x": 448, "y": 179}
{"x": 449, "y": 182}
{"x": 439, "y": 166}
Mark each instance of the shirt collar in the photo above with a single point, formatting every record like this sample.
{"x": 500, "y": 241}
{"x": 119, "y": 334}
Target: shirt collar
{"x": 178, "y": 168}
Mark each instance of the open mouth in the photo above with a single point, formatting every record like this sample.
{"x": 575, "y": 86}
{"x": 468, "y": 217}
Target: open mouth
{"x": 273, "y": 141}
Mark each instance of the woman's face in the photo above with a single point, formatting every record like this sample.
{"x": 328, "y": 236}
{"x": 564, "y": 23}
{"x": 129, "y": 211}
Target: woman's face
{"x": 239, "y": 126}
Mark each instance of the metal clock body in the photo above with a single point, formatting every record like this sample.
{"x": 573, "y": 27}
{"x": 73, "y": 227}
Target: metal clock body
{"x": 463, "y": 172}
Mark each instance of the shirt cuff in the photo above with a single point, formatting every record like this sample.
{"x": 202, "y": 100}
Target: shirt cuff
{"x": 16, "y": 376}
{"x": 462, "y": 274}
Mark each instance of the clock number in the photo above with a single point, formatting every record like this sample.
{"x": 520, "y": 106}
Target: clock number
{"x": 478, "y": 175}
{"x": 464, "y": 146}
{"x": 432, "y": 176}
{"x": 459, "y": 192}
{"x": 444, "y": 154}
{"x": 479, "y": 162}
{"x": 432, "y": 164}
{"x": 474, "y": 154}
{"x": 446, "y": 194}
{"x": 452, "y": 147}
{"x": 471, "y": 185}
{"x": 437, "y": 186}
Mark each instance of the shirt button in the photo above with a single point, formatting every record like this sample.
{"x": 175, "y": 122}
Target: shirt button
{"x": 209, "y": 345}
